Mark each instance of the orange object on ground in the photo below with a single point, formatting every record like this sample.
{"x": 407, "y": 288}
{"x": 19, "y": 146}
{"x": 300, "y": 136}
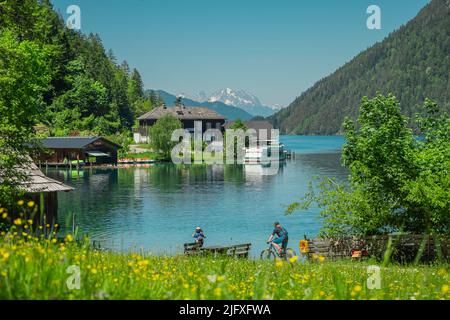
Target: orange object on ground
{"x": 304, "y": 246}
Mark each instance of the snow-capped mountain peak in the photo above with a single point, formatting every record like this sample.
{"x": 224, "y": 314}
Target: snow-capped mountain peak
{"x": 238, "y": 98}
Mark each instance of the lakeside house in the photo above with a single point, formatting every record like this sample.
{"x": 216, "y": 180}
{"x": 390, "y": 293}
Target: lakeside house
{"x": 92, "y": 150}
{"x": 187, "y": 115}
{"x": 43, "y": 191}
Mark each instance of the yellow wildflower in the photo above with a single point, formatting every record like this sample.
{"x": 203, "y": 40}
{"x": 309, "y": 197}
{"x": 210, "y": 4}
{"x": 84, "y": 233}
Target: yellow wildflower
{"x": 321, "y": 258}
{"x": 20, "y": 202}
{"x": 143, "y": 263}
{"x": 442, "y": 272}
{"x": 69, "y": 238}
{"x": 4, "y": 215}
{"x": 18, "y": 222}
{"x": 357, "y": 288}
{"x": 444, "y": 288}
{"x": 218, "y": 292}
{"x": 30, "y": 204}
{"x": 30, "y": 222}
{"x": 5, "y": 256}
{"x": 293, "y": 259}
{"x": 279, "y": 263}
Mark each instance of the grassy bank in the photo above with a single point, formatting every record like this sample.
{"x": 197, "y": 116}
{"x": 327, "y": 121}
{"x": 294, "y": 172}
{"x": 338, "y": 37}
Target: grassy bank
{"x": 37, "y": 269}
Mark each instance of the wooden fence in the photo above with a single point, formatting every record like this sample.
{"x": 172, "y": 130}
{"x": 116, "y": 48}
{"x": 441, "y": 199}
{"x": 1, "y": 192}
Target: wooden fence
{"x": 405, "y": 248}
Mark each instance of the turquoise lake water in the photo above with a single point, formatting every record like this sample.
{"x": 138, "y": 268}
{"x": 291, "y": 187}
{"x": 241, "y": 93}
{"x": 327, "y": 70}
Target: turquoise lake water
{"x": 157, "y": 208}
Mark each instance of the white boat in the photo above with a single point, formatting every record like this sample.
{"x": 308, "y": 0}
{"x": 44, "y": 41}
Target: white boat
{"x": 265, "y": 154}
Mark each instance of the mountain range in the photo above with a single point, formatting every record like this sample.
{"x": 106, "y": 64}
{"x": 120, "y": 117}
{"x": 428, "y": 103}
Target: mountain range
{"x": 229, "y": 112}
{"x": 413, "y": 63}
{"x": 236, "y": 98}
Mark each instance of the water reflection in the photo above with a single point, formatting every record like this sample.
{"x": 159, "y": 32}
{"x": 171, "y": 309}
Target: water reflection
{"x": 157, "y": 207}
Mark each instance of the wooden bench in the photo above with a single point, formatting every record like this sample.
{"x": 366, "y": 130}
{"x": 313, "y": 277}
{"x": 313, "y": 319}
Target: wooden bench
{"x": 192, "y": 248}
{"x": 237, "y": 251}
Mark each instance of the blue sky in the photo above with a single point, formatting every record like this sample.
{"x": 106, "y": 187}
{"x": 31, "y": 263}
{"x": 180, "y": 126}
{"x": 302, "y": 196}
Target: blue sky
{"x": 273, "y": 49}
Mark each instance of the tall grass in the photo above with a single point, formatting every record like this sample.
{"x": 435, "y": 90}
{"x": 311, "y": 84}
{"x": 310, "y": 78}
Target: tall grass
{"x": 34, "y": 264}
{"x": 34, "y": 268}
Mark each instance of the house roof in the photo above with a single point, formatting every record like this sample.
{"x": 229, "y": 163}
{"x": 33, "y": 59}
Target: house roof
{"x": 71, "y": 142}
{"x": 183, "y": 113}
{"x": 257, "y": 125}
{"x": 39, "y": 182}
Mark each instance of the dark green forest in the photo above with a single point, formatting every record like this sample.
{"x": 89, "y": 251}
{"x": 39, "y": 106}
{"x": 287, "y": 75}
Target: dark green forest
{"x": 412, "y": 63}
{"x": 89, "y": 91}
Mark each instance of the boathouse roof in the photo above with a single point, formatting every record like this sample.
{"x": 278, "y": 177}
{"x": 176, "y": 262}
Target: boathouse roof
{"x": 35, "y": 180}
{"x": 183, "y": 113}
{"x": 71, "y": 142}
{"x": 38, "y": 182}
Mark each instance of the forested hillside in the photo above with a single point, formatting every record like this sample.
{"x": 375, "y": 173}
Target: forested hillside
{"x": 412, "y": 62}
{"x": 89, "y": 92}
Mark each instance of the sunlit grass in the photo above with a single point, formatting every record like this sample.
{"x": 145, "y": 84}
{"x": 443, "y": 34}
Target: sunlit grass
{"x": 33, "y": 268}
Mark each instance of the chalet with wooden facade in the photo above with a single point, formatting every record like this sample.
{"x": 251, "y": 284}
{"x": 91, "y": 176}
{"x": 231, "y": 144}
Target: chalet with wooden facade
{"x": 88, "y": 150}
{"x": 187, "y": 115}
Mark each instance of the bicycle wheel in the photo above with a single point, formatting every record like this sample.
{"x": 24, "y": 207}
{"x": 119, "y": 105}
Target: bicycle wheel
{"x": 290, "y": 253}
{"x": 267, "y": 255}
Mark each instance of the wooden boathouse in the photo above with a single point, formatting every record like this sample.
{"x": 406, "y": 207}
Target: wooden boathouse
{"x": 84, "y": 150}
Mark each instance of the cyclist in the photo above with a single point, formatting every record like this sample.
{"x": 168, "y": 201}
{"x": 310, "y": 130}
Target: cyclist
{"x": 280, "y": 242}
{"x": 199, "y": 236}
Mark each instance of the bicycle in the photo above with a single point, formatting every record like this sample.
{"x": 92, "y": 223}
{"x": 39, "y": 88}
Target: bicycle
{"x": 272, "y": 253}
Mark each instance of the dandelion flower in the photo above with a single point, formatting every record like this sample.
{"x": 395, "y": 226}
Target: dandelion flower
{"x": 357, "y": 288}
{"x": 217, "y": 292}
{"x": 18, "y": 222}
{"x": 20, "y": 202}
{"x": 444, "y": 288}
{"x": 30, "y": 204}
{"x": 293, "y": 259}
{"x": 321, "y": 258}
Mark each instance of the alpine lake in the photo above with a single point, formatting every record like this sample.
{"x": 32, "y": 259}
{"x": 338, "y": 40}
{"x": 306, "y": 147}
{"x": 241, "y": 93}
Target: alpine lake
{"x": 156, "y": 208}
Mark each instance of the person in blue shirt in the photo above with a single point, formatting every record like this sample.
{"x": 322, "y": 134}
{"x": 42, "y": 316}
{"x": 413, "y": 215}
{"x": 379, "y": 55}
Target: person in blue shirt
{"x": 281, "y": 240}
{"x": 199, "y": 236}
